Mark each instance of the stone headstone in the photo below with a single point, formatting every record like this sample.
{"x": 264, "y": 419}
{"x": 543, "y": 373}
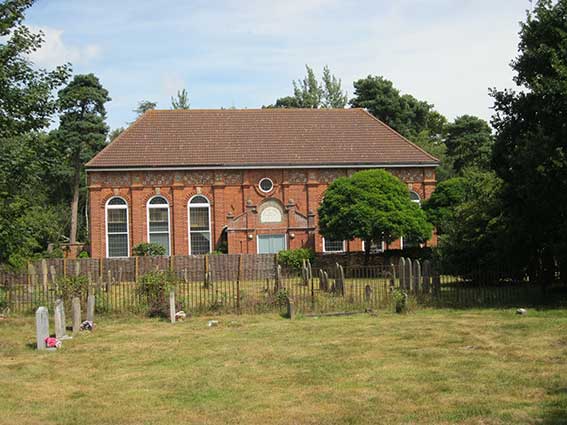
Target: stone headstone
{"x": 426, "y": 276}
{"x": 172, "y": 306}
{"x": 309, "y": 270}
{"x": 402, "y": 271}
{"x": 408, "y": 275}
{"x": 416, "y": 276}
{"x": 322, "y": 281}
{"x": 392, "y": 275}
{"x": 290, "y": 308}
{"x": 367, "y": 292}
{"x": 340, "y": 281}
{"x": 90, "y": 308}
{"x": 304, "y": 275}
{"x": 76, "y": 315}
{"x": 41, "y": 327}
{"x": 59, "y": 320}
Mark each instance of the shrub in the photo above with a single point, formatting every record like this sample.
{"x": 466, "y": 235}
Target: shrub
{"x": 400, "y": 299}
{"x": 84, "y": 254}
{"x": 69, "y": 287}
{"x": 154, "y": 288}
{"x": 293, "y": 258}
{"x": 148, "y": 250}
{"x": 3, "y": 299}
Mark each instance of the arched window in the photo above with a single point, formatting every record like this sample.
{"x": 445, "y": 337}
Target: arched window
{"x": 414, "y": 197}
{"x": 158, "y": 222}
{"x": 117, "y": 240}
{"x": 199, "y": 225}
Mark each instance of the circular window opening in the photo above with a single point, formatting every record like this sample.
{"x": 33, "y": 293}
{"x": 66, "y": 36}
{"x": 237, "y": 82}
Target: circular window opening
{"x": 266, "y": 185}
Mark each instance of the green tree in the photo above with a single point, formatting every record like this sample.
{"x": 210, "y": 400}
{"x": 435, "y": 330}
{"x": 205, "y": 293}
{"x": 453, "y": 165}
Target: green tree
{"x": 115, "y": 133}
{"x": 181, "y": 101}
{"x": 530, "y": 153}
{"x": 469, "y": 143}
{"x": 27, "y": 103}
{"x": 333, "y": 95}
{"x": 144, "y": 106}
{"x": 371, "y": 205}
{"x": 82, "y": 131}
{"x": 441, "y": 206}
{"x": 308, "y": 93}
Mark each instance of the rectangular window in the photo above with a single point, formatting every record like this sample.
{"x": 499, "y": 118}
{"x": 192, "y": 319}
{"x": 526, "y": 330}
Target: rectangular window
{"x": 200, "y": 243}
{"x": 330, "y": 245}
{"x": 117, "y": 231}
{"x": 158, "y": 227}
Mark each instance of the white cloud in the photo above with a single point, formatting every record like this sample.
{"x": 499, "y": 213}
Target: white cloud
{"x": 55, "y": 51}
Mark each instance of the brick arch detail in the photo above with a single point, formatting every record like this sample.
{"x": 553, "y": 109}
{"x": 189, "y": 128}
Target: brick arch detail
{"x": 122, "y": 195}
{"x": 149, "y": 196}
{"x": 190, "y": 194}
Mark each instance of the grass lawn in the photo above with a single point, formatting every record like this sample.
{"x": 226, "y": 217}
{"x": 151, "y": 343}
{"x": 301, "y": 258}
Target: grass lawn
{"x": 430, "y": 367}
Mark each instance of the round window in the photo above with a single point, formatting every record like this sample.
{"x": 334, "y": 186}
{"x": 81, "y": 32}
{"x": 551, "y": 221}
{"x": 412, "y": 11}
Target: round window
{"x": 266, "y": 185}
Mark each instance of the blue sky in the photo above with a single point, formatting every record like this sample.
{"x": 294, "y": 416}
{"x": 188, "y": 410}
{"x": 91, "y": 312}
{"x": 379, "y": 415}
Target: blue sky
{"x": 246, "y": 53}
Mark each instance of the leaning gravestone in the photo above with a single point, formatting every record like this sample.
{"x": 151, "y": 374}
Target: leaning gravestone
{"x": 59, "y": 316}
{"x": 416, "y": 276}
{"x": 402, "y": 267}
{"x": 90, "y": 308}
{"x": 408, "y": 275}
{"x": 367, "y": 292}
{"x": 76, "y": 315}
{"x": 172, "y": 306}
{"x": 41, "y": 327}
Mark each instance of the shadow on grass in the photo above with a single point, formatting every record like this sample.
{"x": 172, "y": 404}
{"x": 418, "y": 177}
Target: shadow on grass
{"x": 555, "y": 412}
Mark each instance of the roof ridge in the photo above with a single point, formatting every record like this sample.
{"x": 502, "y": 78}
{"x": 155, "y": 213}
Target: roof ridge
{"x": 254, "y": 110}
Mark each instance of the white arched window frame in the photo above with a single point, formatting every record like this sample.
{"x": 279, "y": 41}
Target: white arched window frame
{"x": 199, "y": 217}
{"x": 117, "y": 227}
{"x": 414, "y": 197}
{"x": 158, "y": 219}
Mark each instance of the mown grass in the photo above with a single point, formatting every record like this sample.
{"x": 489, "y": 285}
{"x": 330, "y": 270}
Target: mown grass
{"x": 430, "y": 367}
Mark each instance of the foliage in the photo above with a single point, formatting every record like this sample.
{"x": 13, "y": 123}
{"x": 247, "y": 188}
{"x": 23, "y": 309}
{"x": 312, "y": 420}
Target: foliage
{"x": 69, "y": 287}
{"x": 469, "y": 143}
{"x": 371, "y": 205}
{"x": 3, "y": 299}
{"x": 181, "y": 101}
{"x": 309, "y": 93}
{"x": 144, "y": 106}
{"x": 115, "y": 133}
{"x": 146, "y": 249}
{"x": 442, "y": 204}
{"x": 82, "y": 131}
{"x": 293, "y": 258}
{"x": 530, "y": 153}
{"x": 27, "y": 221}
{"x": 84, "y": 254}
{"x": 155, "y": 287}
{"x": 400, "y": 300}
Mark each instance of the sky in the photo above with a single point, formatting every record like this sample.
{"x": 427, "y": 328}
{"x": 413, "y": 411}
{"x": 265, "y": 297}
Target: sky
{"x": 246, "y": 53}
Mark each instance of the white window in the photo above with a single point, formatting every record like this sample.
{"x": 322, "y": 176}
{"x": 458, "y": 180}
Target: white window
{"x": 414, "y": 197}
{"x": 158, "y": 222}
{"x": 266, "y": 185}
{"x": 117, "y": 240}
{"x": 374, "y": 247}
{"x": 199, "y": 225}
{"x": 330, "y": 245}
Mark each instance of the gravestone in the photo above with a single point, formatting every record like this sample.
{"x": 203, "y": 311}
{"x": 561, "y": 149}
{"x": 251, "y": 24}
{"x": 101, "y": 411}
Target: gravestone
{"x": 277, "y": 283}
{"x": 41, "y": 327}
{"x": 416, "y": 276}
{"x": 76, "y": 315}
{"x": 402, "y": 270}
{"x": 322, "y": 281}
{"x": 340, "y": 281}
{"x": 172, "y": 306}
{"x": 426, "y": 276}
{"x": 290, "y": 308}
{"x": 408, "y": 275}
{"x": 59, "y": 319}
{"x": 367, "y": 292}
{"x": 309, "y": 270}
{"x": 90, "y": 308}
{"x": 304, "y": 275}
{"x": 392, "y": 275}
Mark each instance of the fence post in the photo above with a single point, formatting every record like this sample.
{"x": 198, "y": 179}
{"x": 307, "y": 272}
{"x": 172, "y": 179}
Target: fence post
{"x": 171, "y": 263}
{"x": 172, "y": 306}
{"x": 206, "y": 271}
{"x": 44, "y": 275}
{"x": 136, "y": 268}
{"x": 393, "y": 276}
{"x": 408, "y": 275}
{"x": 238, "y": 277}
{"x": 436, "y": 284}
{"x": 402, "y": 271}
{"x": 64, "y": 267}
{"x": 426, "y": 276}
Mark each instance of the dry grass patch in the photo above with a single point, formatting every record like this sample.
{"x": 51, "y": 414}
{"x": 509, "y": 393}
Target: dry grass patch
{"x": 431, "y": 367}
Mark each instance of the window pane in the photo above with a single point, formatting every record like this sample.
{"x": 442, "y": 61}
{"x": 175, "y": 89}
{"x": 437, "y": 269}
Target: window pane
{"x": 199, "y": 218}
{"x": 116, "y": 219}
{"x": 199, "y": 200}
{"x": 162, "y": 239}
{"x": 200, "y": 243}
{"x": 333, "y": 246}
{"x": 118, "y": 245}
{"x": 158, "y": 220}
{"x": 117, "y": 201}
{"x": 158, "y": 200}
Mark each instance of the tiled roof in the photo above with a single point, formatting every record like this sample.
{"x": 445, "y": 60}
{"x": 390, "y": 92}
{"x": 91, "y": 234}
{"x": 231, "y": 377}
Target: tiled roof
{"x": 259, "y": 137}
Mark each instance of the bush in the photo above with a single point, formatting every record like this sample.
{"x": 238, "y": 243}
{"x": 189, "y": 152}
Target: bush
{"x": 293, "y": 258}
{"x": 400, "y": 300}
{"x": 148, "y": 250}
{"x": 154, "y": 288}
{"x": 72, "y": 286}
{"x": 84, "y": 254}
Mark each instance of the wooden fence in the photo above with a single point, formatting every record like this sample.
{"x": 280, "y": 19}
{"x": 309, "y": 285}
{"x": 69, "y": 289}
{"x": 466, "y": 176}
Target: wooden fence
{"x": 255, "y": 283}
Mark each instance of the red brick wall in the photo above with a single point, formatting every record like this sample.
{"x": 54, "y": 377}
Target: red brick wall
{"x": 235, "y": 199}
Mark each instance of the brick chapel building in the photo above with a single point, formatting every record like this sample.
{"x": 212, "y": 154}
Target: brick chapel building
{"x": 242, "y": 181}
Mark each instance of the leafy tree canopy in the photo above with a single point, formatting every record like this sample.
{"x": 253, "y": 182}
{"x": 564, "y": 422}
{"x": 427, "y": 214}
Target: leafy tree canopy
{"x": 372, "y": 205}
{"x": 181, "y": 101}
{"x": 440, "y": 207}
{"x": 469, "y": 143}
{"x": 310, "y": 93}
{"x": 144, "y": 106}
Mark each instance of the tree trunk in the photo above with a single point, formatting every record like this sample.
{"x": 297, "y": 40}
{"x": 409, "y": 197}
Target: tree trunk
{"x": 75, "y": 203}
